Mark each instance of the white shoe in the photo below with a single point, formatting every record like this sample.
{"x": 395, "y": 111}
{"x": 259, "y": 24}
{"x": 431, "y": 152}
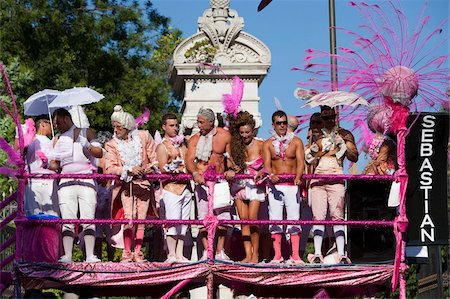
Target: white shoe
{"x": 222, "y": 256}
{"x": 65, "y": 259}
{"x": 204, "y": 256}
{"x": 182, "y": 259}
{"x": 171, "y": 259}
{"x": 93, "y": 259}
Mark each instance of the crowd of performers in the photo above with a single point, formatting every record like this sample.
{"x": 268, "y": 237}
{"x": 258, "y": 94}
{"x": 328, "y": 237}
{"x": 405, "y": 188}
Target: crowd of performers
{"x": 232, "y": 149}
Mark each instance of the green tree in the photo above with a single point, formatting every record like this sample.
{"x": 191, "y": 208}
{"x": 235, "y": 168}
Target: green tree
{"x": 120, "y": 48}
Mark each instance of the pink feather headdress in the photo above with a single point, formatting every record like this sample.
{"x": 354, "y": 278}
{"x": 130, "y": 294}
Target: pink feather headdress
{"x": 387, "y": 61}
{"x": 232, "y": 102}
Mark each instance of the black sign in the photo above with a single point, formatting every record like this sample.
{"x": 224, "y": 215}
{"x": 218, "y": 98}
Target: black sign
{"x": 426, "y": 163}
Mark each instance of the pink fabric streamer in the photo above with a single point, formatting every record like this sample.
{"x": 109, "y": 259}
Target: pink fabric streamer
{"x": 110, "y": 274}
{"x": 176, "y": 288}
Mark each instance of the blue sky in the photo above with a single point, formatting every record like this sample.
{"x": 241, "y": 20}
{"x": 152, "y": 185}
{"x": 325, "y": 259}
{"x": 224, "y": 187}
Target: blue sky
{"x": 288, "y": 27}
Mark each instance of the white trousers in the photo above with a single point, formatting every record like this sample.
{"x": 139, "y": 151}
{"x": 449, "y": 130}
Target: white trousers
{"x": 74, "y": 195}
{"x": 177, "y": 207}
{"x": 280, "y": 196}
{"x": 39, "y": 197}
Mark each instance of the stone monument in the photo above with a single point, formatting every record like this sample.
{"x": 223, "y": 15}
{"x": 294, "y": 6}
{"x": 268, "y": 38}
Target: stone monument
{"x": 204, "y": 64}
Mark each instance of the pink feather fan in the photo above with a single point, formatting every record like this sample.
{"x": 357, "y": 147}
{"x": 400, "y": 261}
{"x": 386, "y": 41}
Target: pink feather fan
{"x": 232, "y": 102}
{"x": 29, "y": 131}
{"x": 143, "y": 118}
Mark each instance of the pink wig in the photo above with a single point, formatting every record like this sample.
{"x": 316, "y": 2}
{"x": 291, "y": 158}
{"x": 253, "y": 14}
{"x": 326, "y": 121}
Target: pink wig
{"x": 379, "y": 118}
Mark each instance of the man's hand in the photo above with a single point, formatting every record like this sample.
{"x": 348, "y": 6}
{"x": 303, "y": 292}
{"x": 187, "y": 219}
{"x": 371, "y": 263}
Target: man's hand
{"x": 298, "y": 181}
{"x": 198, "y": 178}
{"x": 137, "y": 171}
{"x": 229, "y": 174}
{"x": 274, "y": 178}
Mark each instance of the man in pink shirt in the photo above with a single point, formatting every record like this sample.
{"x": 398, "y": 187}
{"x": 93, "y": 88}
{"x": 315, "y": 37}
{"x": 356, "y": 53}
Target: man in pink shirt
{"x": 130, "y": 154}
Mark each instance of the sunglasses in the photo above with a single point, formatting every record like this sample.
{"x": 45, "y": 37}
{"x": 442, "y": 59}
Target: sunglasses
{"x": 329, "y": 117}
{"x": 279, "y": 123}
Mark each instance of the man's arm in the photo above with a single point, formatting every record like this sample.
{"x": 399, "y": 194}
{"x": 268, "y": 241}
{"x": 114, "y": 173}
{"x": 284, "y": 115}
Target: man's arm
{"x": 352, "y": 152}
{"x": 300, "y": 157}
{"x": 112, "y": 158}
{"x": 267, "y": 156}
{"x": 161, "y": 155}
{"x": 95, "y": 148}
{"x": 190, "y": 160}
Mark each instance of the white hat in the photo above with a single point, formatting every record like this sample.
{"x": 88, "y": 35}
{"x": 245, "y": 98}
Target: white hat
{"x": 124, "y": 118}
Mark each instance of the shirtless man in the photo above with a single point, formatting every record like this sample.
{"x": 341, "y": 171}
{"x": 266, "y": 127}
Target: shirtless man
{"x": 284, "y": 154}
{"x": 204, "y": 149}
{"x": 330, "y": 149}
{"x": 176, "y": 196}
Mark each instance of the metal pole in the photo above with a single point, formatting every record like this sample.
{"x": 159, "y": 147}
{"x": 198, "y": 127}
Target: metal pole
{"x": 333, "y": 60}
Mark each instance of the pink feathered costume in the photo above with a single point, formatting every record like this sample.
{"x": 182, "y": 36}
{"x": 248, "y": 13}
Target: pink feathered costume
{"x": 140, "y": 189}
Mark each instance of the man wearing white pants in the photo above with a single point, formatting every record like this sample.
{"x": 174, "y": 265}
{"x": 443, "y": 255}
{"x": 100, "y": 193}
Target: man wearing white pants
{"x": 284, "y": 154}
{"x": 72, "y": 153}
{"x": 39, "y": 197}
{"x": 176, "y": 197}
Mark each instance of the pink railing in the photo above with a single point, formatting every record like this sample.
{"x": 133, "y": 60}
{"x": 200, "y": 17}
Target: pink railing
{"x": 210, "y": 222}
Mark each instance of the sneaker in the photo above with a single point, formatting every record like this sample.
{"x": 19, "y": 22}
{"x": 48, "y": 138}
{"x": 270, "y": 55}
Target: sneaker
{"x": 222, "y": 256}
{"x": 182, "y": 259}
{"x": 171, "y": 259}
{"x": 93, "y": 259}
{"x": 65, "y": 259}
{"x": 139, "y": 257}
{"x": 204, "y": 256}
{"x": 277, "y": 261}
{"x": 127, "y": 257}
{"x": 343, "y": 259}
{"x": 297, "y": 262}
{"x": 315, "y": 258}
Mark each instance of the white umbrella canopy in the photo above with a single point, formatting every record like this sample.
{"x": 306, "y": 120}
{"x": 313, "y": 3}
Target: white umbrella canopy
{"x": 38, "y": 103}
{"x": 75, "y": 97}
{"x": 336, "y": 98}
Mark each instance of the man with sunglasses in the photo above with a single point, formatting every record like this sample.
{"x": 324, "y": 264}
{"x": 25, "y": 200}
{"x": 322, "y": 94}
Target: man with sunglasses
{"x": 328, "y": 153}
{"x": 284, "y": 154}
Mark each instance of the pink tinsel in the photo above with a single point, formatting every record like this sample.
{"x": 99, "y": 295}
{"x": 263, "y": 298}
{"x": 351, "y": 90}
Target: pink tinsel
{"x": 366, "y": 135}
{"x": 399, "y": 115}
{"x": 232, "y": 102}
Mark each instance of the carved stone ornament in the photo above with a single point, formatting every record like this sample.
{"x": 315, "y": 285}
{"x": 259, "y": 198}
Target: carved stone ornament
{"x": 221, "y": 40}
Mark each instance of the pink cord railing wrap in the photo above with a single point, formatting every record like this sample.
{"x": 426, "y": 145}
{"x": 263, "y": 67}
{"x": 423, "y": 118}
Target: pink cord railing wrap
{"x": 401, "y": 221}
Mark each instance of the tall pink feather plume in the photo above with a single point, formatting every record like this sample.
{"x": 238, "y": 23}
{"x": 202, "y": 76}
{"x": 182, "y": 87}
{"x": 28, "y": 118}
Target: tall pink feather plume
{"x": 143, "y": 118}
{"x": 232, "y": 102}
{"x": 29, "y": 133}
{"x": 13, "y": 157}
{"x": 366, "y": 134}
